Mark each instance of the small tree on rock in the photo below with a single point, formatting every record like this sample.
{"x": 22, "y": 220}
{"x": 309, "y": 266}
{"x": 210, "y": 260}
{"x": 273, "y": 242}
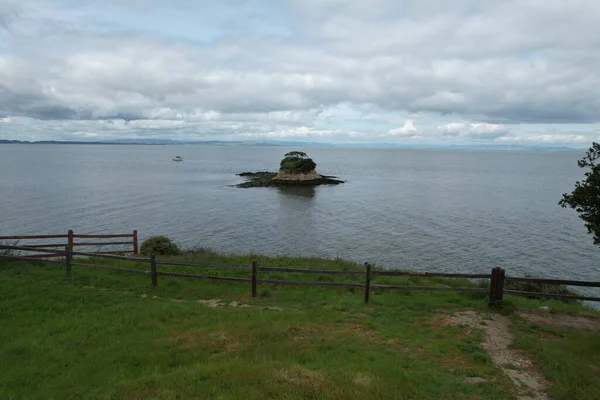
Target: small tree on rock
{"x": 296, "y": 162}
{"x": 585, "y": 198}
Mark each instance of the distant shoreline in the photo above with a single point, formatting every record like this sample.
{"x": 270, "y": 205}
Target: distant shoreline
{"x": 147, "y": 143}
{"x": 366, "y": 146}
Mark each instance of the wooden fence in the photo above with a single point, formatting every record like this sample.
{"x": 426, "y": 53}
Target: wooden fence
{"x": 70, "y": 239}
{"x": 496, "y": 289}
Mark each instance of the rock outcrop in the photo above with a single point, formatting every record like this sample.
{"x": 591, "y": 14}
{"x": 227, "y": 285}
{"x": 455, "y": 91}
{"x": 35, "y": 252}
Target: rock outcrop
{"x": 296, "y": 169}
{"x": 298, "y": 176}
{"x": 268, "y": 179}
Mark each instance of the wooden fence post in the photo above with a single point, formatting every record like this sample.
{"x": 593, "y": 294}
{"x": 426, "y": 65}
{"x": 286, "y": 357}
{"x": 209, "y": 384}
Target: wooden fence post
{"x": 254, "y": 277}
{"x": 493, "y": 286}
{"x": 135, "y": 242}
{"x": 71, "y": 240}
{"x": 500, "y": 285}
{"x": 367, "y": 281}
{"x": 153, "y": 271}
{"x": 68, "y": 261}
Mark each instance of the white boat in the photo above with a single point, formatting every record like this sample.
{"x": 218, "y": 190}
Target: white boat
{"x": 178, "y": 158}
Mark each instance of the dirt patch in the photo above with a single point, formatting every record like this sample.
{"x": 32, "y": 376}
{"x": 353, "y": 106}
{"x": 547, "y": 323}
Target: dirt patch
{"x": 340, "y": 332}
{"x": 211, "y": 303}
{"x": 474, "y": 380}
{"x": 300, "y": 376}
{"x": 450, "y": 361}
{"x": 562, "y": 321}
{"x": 530, "y": 384}
{"x": 398, "y": 346}
{"x": 362, "y": 379}
{"x": 220, "y": 303}
{"x": 545, "y": 336}
{"x": 368, "y": 334}
{"x": 236, "y": 304}
{"x": 217, "y": 342}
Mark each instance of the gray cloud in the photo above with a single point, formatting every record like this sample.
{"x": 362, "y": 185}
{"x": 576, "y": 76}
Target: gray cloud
{"x": 9, "y": 11}
{"x": 526, "y": 61}
{"x": 138, "y": 81}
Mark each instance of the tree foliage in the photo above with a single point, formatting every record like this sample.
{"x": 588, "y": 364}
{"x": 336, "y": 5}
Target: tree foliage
{"x": 299, "y": 154}
{"x": 585, "y": 198}
{"x": 297, "y": 162}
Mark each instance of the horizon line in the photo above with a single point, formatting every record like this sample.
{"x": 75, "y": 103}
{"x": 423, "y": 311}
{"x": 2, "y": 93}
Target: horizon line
{"x": 283, "y": 143}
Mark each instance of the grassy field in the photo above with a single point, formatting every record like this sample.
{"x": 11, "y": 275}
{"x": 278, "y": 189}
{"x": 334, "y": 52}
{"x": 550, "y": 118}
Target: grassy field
{"x": 108, "y": 335}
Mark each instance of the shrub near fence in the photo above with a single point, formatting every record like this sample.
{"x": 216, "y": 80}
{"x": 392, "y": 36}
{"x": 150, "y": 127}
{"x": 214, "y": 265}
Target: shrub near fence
{"x": 496, "y": 289}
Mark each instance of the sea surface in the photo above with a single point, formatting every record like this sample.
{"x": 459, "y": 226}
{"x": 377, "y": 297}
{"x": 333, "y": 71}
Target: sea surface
{"x": 426, "y": 210}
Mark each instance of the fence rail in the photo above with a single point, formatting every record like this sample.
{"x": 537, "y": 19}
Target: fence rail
{"x": 553, "y": 281}
{"x": 18, "y": 258}
{"x": 432, "y": 274}
{"x": 119, "y": 235}
{"x": 33, "y": 237}
{"x": 57, "y": 253}
{"x": 71, "y": 242}
{"x": 310, "y": 271}
{"x": 205, "y": 265}
{"x": 551, "y": 295}
{"x": 496, "y": 288}
{"x": 431, "y": 288}
{"x": 114, "y": 257}
{"x": 96, "y": 266}
{"x": 194, "y": 276}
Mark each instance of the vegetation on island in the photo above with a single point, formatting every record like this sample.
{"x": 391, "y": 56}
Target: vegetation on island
{"x": 105, "y": 334}
{"x": 294, "y": 163}
{"x": 297, "y": 162}
{"x": 585, "y": 198}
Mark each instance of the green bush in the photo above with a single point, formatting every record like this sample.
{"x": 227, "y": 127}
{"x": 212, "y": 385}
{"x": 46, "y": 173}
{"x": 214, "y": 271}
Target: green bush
{"x": 159, "y": 246}
{"x": 297, "y": 162}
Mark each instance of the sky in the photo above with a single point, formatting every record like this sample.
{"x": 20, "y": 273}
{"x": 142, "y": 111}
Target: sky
{"x": 411, "y": 72}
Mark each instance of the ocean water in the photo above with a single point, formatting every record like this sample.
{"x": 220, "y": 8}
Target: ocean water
{"x": 427, "y": 210}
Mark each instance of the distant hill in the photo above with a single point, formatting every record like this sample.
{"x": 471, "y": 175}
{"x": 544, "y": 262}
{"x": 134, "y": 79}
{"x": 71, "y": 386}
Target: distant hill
{"x": 283, "y": 143}
{"x": 124, "y": 141}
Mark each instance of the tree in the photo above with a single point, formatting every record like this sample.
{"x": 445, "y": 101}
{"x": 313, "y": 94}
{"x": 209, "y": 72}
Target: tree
{"x": 299, "y": 154}
{"x": 585, "y": 198}
{"x": 296, "y": 162}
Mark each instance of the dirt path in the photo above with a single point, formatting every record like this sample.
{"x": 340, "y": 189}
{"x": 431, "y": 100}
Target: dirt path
{"x": 530, "y": 385}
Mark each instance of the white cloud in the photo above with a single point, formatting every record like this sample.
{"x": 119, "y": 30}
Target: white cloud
{"x": 409, "y": 129}
{"x": 551, "y": 139}
{"x": 359, "y": 135}
{"x": 5, "y": 120}
{"x": 479, "y": 130}
{"x": 302, "y": 131}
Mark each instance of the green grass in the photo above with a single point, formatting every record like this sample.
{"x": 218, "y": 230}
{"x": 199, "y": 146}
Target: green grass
{"x": 569, "y": 358}
{"x": 109, "y": 335}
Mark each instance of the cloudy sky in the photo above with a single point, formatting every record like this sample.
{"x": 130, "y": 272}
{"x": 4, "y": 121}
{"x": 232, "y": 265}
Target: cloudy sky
{"x": 406, "y": 72}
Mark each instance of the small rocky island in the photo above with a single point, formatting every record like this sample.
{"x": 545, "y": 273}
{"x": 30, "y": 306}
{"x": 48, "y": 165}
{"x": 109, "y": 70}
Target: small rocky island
{"x": 296, "y": 169}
